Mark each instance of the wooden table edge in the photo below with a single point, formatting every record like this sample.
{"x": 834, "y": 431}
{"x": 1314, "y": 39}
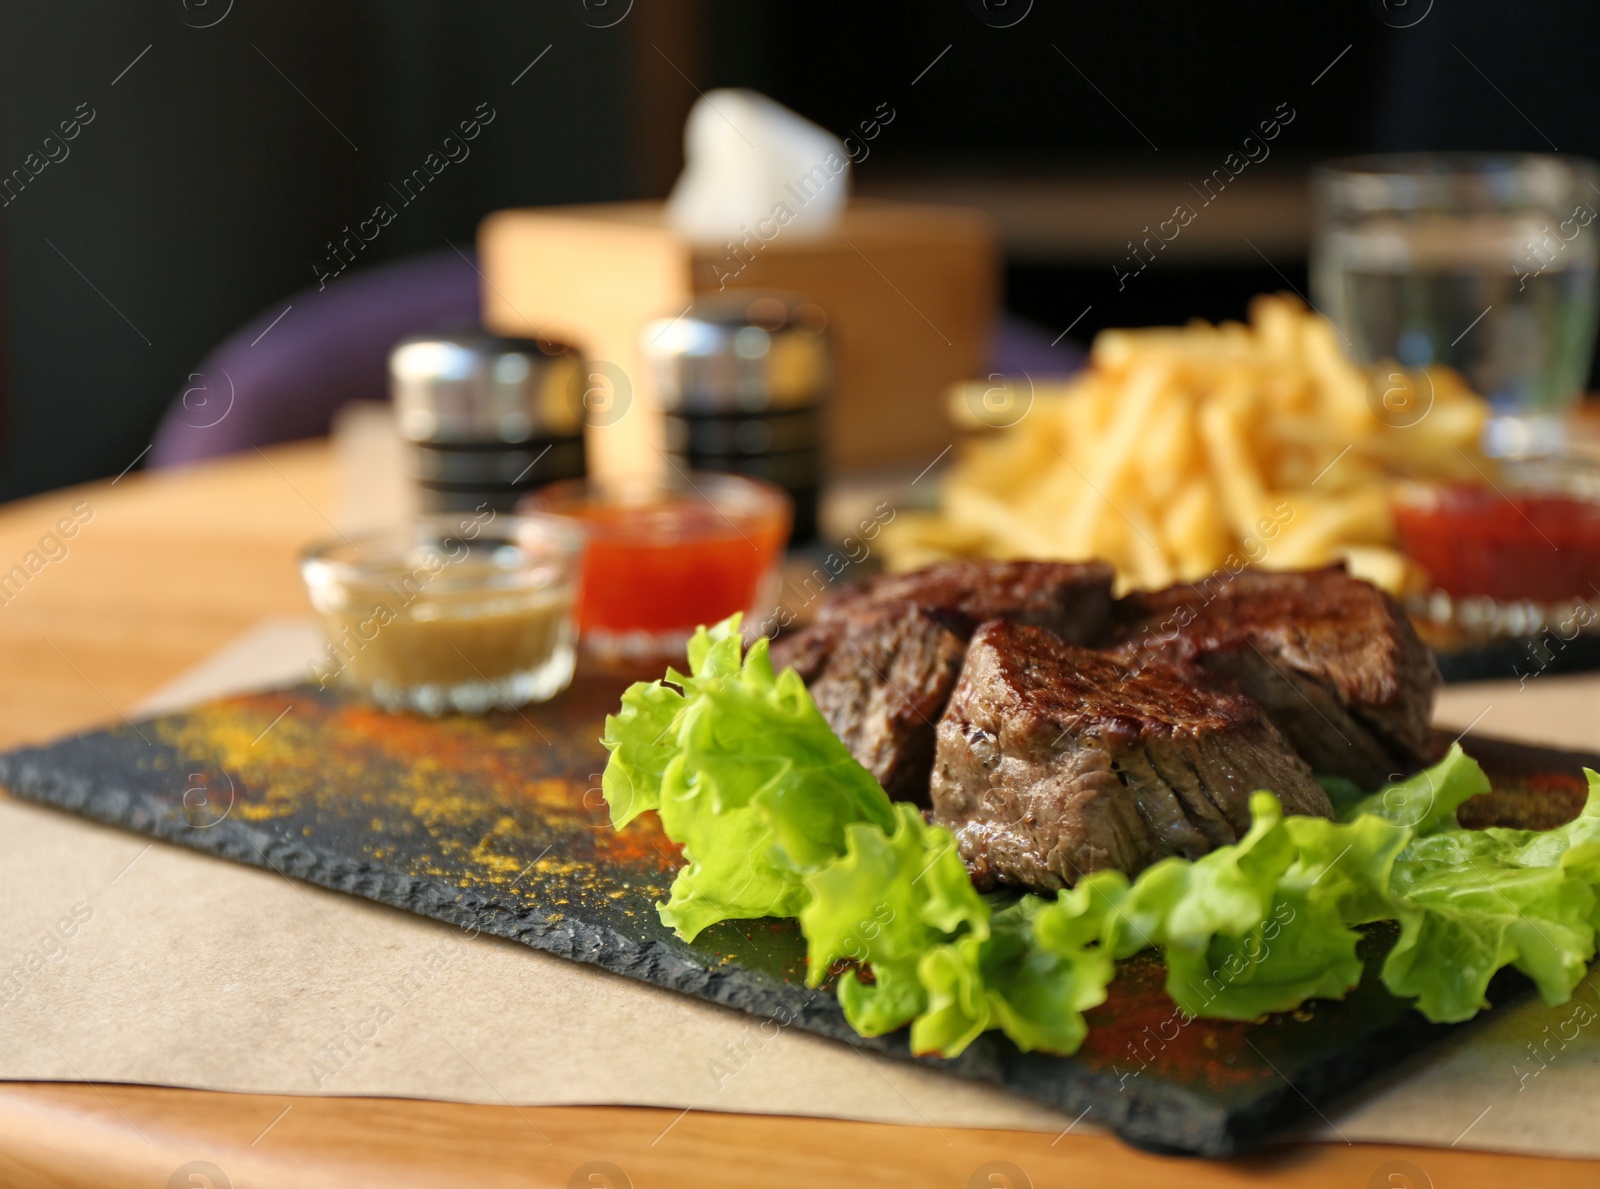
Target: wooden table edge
{"x": 78, "y": 1134}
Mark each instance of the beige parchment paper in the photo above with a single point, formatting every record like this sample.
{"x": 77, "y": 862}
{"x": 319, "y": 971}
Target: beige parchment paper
{"x": 127, "y": 960}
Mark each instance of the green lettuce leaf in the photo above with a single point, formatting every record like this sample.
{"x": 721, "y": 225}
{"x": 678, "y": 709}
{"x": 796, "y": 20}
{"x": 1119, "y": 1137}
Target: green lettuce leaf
{"x": 886, "y": 904}
{"x": 1181, "y": 904}
{"x": 1460, "y": 925}
{"x": 941, "y": 958}
{"x": 1302, "y": 947}
{"x": 1472, "y": 901}
{"x": 641, "y": 743}
{"x": 1012, "y": 979}
{"x": 1045, "y": 965}
{"x": 1261, "y": 925}
{"x": 1428, "y": 801}
{"x": 776, "y": 818}
{"x": 641, "y": 738}
{"x": 744, "y": 772}
{"x": 1547, "y": 848}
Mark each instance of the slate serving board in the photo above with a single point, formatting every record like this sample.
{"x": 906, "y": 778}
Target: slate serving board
{"x": 1519, "y": 657}
{"x": 498, "y": 822}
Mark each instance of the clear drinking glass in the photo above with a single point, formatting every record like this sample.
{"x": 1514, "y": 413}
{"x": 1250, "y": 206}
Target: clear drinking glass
{"x": 1485, "y": 263}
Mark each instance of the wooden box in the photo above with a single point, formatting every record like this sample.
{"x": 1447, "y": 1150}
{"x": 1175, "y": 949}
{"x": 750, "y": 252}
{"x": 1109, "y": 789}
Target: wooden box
{"x": 910, "y": 292}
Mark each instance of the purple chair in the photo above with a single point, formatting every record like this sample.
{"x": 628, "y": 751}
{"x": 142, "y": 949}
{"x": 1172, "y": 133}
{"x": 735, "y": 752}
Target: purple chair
{"x": 285, "y": 374}
{"x": 1021, "y": 347}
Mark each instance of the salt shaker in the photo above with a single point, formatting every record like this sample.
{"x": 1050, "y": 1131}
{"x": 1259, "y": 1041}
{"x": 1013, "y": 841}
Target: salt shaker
{"x": 743, "y": 377}
{"x": 487, "y": 418}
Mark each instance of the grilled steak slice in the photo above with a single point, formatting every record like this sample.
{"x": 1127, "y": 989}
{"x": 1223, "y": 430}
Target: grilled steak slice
{"x": 1332, "y": 660}
{"x": 884, "y": 687}
{"x": 1055, "y": 760}
{"x": 883, "y": 657}
{"x": 1071, "y": 599}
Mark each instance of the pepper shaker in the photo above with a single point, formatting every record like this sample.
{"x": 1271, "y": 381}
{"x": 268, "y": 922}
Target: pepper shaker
{"x": 743, "y": 378}
{"x": 487, "y": 418}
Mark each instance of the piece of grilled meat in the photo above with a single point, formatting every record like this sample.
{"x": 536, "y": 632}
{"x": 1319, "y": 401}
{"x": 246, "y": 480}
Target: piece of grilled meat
{"x": 1071, "y": 599}
{"x": 882, "y": 657}
{"x": 1331, "y": 659}
{"x": 885, "y": 686}
{"x": 1055, "y": 760}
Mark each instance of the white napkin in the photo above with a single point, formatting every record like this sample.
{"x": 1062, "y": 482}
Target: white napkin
{"x": 753, "y": 167}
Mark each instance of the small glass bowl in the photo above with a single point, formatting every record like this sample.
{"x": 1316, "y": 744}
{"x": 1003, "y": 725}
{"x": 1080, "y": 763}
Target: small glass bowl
{"x": 453, "y": 612}
{"x": 665, "y": 557}
{"x": 1512, "y": 557}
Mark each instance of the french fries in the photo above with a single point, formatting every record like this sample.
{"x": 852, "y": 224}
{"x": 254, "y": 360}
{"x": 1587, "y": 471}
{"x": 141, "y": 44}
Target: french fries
{"x": 1184, "y": 451}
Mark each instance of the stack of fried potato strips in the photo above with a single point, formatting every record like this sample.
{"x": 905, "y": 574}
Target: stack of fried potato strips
{"x": 1181, "y": 452}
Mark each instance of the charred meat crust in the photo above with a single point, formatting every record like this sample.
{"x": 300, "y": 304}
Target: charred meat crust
{"x": 1332, "y": 660}
{"x": 1054, "y": 760}
{"x": 1071, "y": 599}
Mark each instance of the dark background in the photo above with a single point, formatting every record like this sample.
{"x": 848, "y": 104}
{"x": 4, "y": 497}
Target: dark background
{"x": 206, "y": 187}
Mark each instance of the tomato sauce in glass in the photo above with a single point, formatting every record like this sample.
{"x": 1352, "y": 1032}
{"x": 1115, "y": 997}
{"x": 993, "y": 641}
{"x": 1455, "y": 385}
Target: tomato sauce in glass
{"x": 660, "y": 561}
{"x": 668, "y": 568}
{"x": 1473, "y": 540}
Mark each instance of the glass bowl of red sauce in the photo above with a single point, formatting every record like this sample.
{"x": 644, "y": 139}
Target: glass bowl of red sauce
{"x": 666, "y": 556}
{"x": 1530, "y": 534}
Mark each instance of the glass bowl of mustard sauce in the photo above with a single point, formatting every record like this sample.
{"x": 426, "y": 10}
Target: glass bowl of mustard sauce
{"x": 456, "y": 612}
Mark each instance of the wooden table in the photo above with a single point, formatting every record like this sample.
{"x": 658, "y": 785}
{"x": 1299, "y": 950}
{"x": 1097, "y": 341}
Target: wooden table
{"x": 163, "y": 570}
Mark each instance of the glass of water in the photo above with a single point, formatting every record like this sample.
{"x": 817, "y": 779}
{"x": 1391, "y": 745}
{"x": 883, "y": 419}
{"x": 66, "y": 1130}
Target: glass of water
{"x": 1485, "y": 263}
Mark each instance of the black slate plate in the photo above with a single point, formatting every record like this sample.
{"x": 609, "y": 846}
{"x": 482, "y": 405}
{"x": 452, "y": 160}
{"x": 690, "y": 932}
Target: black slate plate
{"x": 498, "y": 823}
{"x": 1519, "y": 657}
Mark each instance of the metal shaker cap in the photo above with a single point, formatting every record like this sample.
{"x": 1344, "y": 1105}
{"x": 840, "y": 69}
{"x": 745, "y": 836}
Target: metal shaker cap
{"x": 472, "y": 388}
{"x": 743, "y": 351}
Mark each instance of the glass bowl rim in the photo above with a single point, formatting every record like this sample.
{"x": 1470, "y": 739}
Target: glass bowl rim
{"x": 736, "y": 498}
{"x": 1573, "y": 476}
{"x": 377, "y": 553}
